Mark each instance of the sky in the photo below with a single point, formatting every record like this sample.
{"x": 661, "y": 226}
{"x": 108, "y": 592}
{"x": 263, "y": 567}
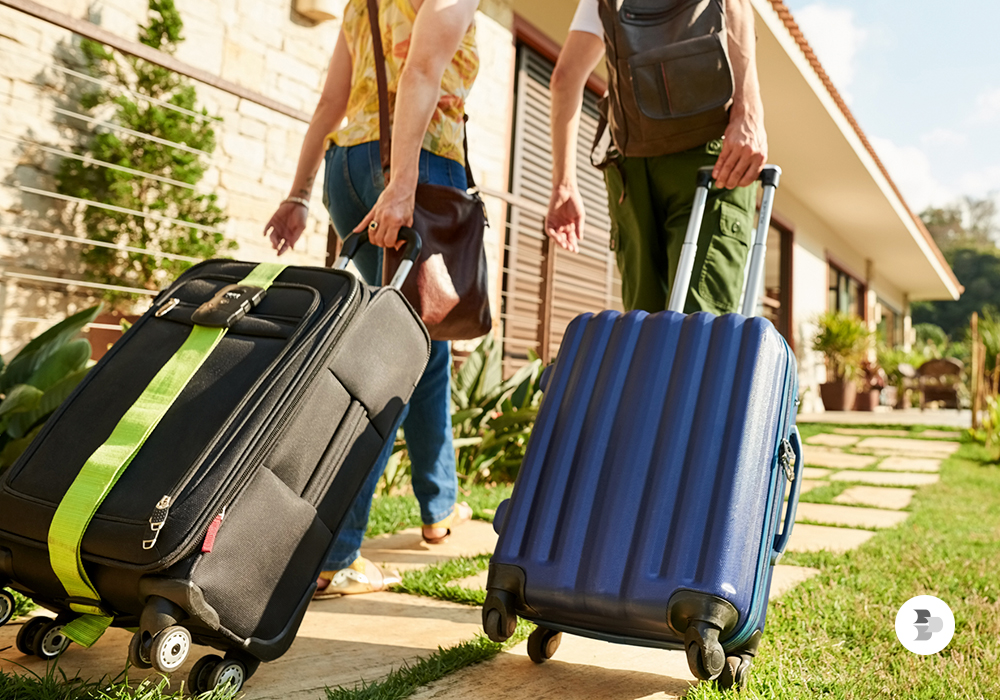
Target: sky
{"x": 923, "y": 80}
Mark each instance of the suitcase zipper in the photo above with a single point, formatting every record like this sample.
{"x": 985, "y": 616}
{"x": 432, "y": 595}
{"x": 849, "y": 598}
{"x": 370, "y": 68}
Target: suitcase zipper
{"x": 156, "y": 521}
{"x": 745, "y": 631}
{"x": 237, "y": 484}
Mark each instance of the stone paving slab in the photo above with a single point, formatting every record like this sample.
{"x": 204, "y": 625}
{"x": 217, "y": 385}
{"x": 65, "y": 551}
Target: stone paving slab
{"x": 407, "y": 550}
{"x": 815, "y": 473}
{"x": 340, "y": 641}
{"x": 807, "y": 486}
{"x": 947, "y": 419}
{"x": 886, "y": 478}
{"x": 876, "y": 496}
{"x": 785, "y": 578}
{"x": 581, "y": 668}
{"x": 832, "y": 440}
{"x": 909, "y": 454}
{"x": 872, "y": 432}
{"x": 813, "y": 538}
{"x": 835, "y": 459}
{"x": 928, "y": 448}
{"x": 941, "y": 434}
{"x": 910, "y": 464}
{"x": 849, "y": 516}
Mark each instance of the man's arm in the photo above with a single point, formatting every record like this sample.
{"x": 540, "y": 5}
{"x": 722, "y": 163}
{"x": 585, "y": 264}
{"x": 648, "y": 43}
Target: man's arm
{"x": 579, "y": 57}
{"x": 744, "y": 150}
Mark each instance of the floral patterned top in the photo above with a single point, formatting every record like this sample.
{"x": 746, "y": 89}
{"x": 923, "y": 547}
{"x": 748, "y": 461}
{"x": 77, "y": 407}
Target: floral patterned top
{"x": 396, "y": 17}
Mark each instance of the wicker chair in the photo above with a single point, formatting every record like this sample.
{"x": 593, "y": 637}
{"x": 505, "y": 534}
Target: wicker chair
{"x": 937, "y": 380}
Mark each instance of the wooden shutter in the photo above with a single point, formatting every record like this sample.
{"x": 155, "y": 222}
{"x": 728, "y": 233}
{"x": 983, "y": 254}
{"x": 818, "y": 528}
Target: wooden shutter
{"x": 544, "y": 287}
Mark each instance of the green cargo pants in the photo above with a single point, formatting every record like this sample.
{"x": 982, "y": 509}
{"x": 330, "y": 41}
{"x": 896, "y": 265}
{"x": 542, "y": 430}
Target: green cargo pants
{"x": 648, "y": 227}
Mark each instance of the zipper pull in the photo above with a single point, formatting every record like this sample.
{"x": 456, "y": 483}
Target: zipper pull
{"x": 167, "y": 307}
{"x": 157, "y": 520}
{"x": 786, "y": 459}
{"x": 213, "y": 530}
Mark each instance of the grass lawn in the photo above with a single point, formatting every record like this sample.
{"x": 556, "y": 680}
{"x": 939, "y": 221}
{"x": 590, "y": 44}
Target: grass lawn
{"x": 833, "y": 636}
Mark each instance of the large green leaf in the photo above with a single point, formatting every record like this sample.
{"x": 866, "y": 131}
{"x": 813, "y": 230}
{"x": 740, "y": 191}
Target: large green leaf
{"x": 467, "y": 376}
{"x": 68, "y": 359}
{"x": 465, "y": 414}
{"x": 505, "y": 421}
{"x": 491, "y": 376}
{"x": 22, "y": 423}
{"x": 19, "y": 399}
{"x": 15, "y": 448}
{"x": 32, "y": 355}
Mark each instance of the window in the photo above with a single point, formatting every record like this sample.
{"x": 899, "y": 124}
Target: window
{"x": 847, "y": 294}
{"x": 890, "y": 325}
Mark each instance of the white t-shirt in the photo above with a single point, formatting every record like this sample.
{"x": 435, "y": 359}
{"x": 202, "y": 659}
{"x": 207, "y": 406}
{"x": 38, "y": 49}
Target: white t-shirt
{"x": 587, "y": 19}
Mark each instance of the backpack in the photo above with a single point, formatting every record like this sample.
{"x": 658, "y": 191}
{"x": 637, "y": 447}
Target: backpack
{"x": 670, "y": 83}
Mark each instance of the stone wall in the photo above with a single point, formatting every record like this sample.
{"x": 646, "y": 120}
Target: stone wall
{"x": 263, "y": 45}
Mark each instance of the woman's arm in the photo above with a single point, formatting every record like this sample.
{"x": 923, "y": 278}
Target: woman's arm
{"x": 437, "y": 33}
{"x": 289, "y": 221}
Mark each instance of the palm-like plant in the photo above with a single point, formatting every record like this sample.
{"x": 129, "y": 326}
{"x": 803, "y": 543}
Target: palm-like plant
{"x": 843, "y": 339}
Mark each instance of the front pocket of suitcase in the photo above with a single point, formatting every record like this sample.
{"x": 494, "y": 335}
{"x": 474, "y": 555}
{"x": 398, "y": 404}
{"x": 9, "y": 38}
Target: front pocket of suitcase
{"x": 354, "y": 422}
{"x": 682, "y": 79}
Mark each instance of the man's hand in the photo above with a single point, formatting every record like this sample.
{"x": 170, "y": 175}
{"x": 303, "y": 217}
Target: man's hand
{"x": 564, "y": 222}
{"x": 744, "y": 152}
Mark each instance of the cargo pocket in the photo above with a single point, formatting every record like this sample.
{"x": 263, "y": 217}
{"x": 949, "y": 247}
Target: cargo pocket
{"x": 682, "y": 79}
{"x": 722, "y": 273}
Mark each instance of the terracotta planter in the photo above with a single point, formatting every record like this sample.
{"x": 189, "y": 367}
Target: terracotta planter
{"x": 838, "y": 396}
{"x": 867, "y": 400}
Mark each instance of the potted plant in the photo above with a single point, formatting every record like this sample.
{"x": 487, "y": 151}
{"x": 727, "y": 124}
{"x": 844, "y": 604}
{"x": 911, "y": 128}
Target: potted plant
{"x": 843, "y": 340}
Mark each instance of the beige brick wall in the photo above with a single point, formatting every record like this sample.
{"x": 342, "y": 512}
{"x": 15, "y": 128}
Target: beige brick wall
{"x": 260, "y": 44}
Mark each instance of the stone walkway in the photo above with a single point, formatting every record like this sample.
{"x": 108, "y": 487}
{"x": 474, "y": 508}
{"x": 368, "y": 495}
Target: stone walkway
{"x": 344, "y": 641}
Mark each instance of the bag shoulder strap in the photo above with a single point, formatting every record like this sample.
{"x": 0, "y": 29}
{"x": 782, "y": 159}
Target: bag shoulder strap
{"x": 384, "y": 131}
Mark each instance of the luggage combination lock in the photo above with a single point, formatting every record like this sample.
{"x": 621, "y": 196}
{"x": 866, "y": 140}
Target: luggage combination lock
{"x": 229, "y": 305}
{"x": 786, "y": 459}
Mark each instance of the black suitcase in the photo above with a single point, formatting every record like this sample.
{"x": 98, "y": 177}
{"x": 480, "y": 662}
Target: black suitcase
{"x": 216, "y": 530}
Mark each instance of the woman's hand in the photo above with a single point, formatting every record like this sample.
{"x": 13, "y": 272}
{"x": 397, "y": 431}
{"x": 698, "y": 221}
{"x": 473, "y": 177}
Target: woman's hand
{"x": 393, "y": 210}
{"x": 286, "y": 226}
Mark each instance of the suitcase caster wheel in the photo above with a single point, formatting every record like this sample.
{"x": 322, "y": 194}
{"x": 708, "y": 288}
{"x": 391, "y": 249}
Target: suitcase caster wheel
{"x": 6, "y": 607}
{"x": 49, "y": 641}
{"x": 202, "y": 669}
{"x": 706, "y": 659}
{"x": 169, "y": 649}
{"x": 499, "y": 618}
{"x": 735, "y": 673}
{"x": 26, "y": 635}
{"x": 542, "y": 644}
{"x": 227, "y": 672}
{"x": 138, "y": 651}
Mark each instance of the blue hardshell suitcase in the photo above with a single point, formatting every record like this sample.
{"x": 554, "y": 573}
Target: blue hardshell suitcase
{"x": 649, "y": 508}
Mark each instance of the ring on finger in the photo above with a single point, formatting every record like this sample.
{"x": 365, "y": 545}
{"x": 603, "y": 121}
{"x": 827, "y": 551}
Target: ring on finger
{"x": 373, "y": 226}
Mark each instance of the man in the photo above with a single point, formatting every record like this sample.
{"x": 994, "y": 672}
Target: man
{"x": 650, "y": 197}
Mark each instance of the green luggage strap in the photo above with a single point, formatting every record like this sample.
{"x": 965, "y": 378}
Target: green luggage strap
{"x": 103, "y": 469}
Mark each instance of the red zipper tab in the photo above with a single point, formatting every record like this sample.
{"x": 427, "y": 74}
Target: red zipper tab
{"x": 213, "y": 531}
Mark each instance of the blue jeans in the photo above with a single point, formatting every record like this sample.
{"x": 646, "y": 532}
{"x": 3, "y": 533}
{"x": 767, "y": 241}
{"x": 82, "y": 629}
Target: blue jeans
{"x": 353, "y": 183}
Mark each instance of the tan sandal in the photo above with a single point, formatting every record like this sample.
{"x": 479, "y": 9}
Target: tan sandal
{"x": 461, "y": 513}
{"x": 362, "y": 576}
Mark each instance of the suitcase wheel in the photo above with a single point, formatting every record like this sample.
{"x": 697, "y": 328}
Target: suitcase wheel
{"x": 169, "y": 649}
{"x": 499, "y": 618}
{"x": 542, "y": 644}
{"x": 138, "y": 651}
{"x": 705, "y": 655}
{"x": 26, "y": 635}
{"x": 6, "y": 607}
{"x": 735, "y": 673}
{"x": 49, "y": 641}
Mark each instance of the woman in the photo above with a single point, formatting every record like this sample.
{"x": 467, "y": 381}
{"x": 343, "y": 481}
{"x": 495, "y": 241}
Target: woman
{"x": 431, "y": 62}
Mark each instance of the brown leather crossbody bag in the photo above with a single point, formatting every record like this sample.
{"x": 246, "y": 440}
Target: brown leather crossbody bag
{"x": 448, "y": 285}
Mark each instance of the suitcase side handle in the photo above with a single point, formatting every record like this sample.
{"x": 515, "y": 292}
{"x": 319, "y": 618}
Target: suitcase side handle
{"x": 781, "y": 541}
{"x": 411, "y": 251}
{"x": 770, "y": 176}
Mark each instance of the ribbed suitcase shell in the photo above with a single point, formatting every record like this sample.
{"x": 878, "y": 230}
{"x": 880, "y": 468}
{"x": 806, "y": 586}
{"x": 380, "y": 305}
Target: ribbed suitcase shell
{"x": 278, "y": 429}
{"x": 652, "y": 469}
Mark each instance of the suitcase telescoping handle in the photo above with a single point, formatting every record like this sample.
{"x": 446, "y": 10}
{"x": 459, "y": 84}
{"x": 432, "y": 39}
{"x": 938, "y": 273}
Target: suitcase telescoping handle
{"x": 769, "y": 176}
{"x": 411, "y": 251}
{"x": 792, "y": 504}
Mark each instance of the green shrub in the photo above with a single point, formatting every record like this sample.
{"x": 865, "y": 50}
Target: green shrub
{"x": 175, "y": 169}
{"x": 38, "y": 379}
{"x": 843, "y": 339}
